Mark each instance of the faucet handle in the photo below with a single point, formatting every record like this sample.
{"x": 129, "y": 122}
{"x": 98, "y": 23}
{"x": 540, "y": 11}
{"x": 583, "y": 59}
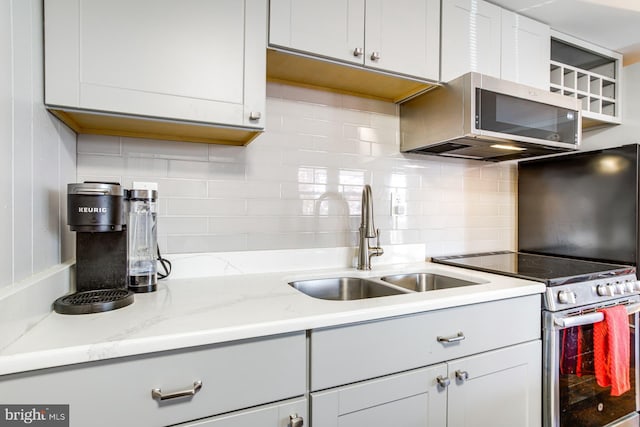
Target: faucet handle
{"x": 378, "y": 237}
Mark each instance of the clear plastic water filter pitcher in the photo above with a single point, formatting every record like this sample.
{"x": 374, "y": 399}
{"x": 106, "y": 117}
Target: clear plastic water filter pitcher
{"x": 142, "y": 239}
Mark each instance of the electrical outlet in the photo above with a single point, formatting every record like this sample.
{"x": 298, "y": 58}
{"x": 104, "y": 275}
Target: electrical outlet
{"x": 398, "y": 205}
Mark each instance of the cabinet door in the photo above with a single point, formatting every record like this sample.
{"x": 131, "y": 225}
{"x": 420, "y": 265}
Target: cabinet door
{"x": 500, "y": 388}
{"x": 168, "y": 59}
{"x": 411, "y": 399}
{"x": 403, "y": 37}
{"x": 330, "y": 28}
{"x": 470, "y": 38}
{"x": 525, "y": 50}
{"x": 276, "y": 415}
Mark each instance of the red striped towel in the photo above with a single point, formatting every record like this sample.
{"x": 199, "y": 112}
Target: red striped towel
{"x": 611, "y": 350}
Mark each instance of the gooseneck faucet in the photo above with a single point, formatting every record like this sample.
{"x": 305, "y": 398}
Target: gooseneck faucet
{"x": 367, "y": 231}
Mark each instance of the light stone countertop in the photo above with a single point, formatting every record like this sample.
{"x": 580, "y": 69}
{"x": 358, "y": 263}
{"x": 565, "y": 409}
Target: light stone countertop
{"x": 188, "y": 312}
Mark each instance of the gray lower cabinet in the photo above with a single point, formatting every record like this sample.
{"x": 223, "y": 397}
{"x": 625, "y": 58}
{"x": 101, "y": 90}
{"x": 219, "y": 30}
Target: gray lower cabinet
{"x": 409, "y": 399}
{"x": 290, "y": 413}
{"x": 170, "y": 387}
{"x": 468, "y": 366}
{"x": 498, "y": 388}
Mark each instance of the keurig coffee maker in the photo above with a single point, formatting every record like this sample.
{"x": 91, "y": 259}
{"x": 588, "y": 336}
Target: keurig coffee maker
{"x": 96, "y": 213}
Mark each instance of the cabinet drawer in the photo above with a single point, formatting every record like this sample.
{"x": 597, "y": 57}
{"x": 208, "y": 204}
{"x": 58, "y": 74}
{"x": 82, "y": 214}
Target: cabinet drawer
{"x": 274, "y": 415}
{"x": 119, "y": 392}
{"x": 356, "y": 352}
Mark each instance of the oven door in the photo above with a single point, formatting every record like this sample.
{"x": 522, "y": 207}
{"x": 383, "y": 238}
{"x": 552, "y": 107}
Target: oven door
{"x": 573, "y": 397}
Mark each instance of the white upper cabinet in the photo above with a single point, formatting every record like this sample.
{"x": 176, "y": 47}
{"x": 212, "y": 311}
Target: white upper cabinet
{"x": 481, "y": 37}
{"x": 399, "y": 37}
{"x": 471, "y": 37}
{"x": 195, "y": 61}
{"x": 330, "y": 28}
{"x": 525, "y": 50}
{"x": 402, "y": 36}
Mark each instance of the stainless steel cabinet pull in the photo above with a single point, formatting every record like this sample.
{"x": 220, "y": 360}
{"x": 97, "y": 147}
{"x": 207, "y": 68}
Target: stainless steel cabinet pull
{"x": 157, "y": 394}
{"x": 458, "y": 337}
{"x": 255, "y": 115}
{"x": 443, "y": 381}
{"x": 358, "y": 51}
{"x": 462, "y": 375}
{"x": 375, "y": 56}
{"x": 295, "y": 421}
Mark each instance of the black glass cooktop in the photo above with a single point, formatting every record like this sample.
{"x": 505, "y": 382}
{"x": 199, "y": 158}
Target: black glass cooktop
{"x": 541, "y": 268}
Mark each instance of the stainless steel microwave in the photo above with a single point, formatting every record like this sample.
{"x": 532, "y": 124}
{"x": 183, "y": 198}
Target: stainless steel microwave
{"x": 481, "y": 117}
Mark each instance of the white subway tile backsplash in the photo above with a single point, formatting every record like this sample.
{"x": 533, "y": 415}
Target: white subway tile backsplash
{"x": 145, "y": 167}
{"x": 299, "y": 184}
{"x": 175, "y": 150}
{"x": 369, "y": 105}
{"x": 95, "y": 165}
{"x": 99, "y": 144}
{"x": 206, "y": 243}
{"x": 205, "y": 207}
{"x": 205, "y": 170}
{"x": 307, "y": 95}
{"x": 179, "y": 188}
{"x": 170, "y": 225}
{"x": 243, "y": 190}
{"x": 290, "y": 240}
{"x": 225, "y": 154}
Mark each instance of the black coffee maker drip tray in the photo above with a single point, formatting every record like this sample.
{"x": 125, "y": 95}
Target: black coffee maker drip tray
{"x": 95, "y": 301}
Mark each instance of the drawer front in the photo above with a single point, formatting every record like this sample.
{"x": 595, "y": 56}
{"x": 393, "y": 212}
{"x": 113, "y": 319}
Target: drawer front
{"x": 280, "y": 414}
{"x": 357, "y": 352}
{"x": 119, "y": 392}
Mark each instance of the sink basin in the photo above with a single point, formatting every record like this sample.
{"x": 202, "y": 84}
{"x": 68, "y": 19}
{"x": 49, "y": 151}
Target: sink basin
{"x": 344, "y": 288}
{"x": 422, "y": 282}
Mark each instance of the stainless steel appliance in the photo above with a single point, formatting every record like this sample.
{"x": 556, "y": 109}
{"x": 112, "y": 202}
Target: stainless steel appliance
{"x": 579, "y": 209}
{"x": 583, "y": 205}
{"x": 481, "y": 117}
{"x": 576, "y": 290}
{"x": 96, "y": 213}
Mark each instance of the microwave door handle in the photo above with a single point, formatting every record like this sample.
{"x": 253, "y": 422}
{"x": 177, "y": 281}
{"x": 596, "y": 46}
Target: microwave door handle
{"x": 583, "y": 319}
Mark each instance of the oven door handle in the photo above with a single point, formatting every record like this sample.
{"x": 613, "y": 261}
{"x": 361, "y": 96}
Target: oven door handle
{"x": 633, "y": 308}
{"x": 590, "y": 318}
{"x": 583, "y": 319}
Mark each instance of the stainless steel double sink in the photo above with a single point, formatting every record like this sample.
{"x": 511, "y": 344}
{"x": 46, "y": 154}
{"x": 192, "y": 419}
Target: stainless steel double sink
{"x": 354, "y": 288}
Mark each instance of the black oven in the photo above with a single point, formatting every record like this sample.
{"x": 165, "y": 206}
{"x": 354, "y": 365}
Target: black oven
{"x": 573, "y": 397}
